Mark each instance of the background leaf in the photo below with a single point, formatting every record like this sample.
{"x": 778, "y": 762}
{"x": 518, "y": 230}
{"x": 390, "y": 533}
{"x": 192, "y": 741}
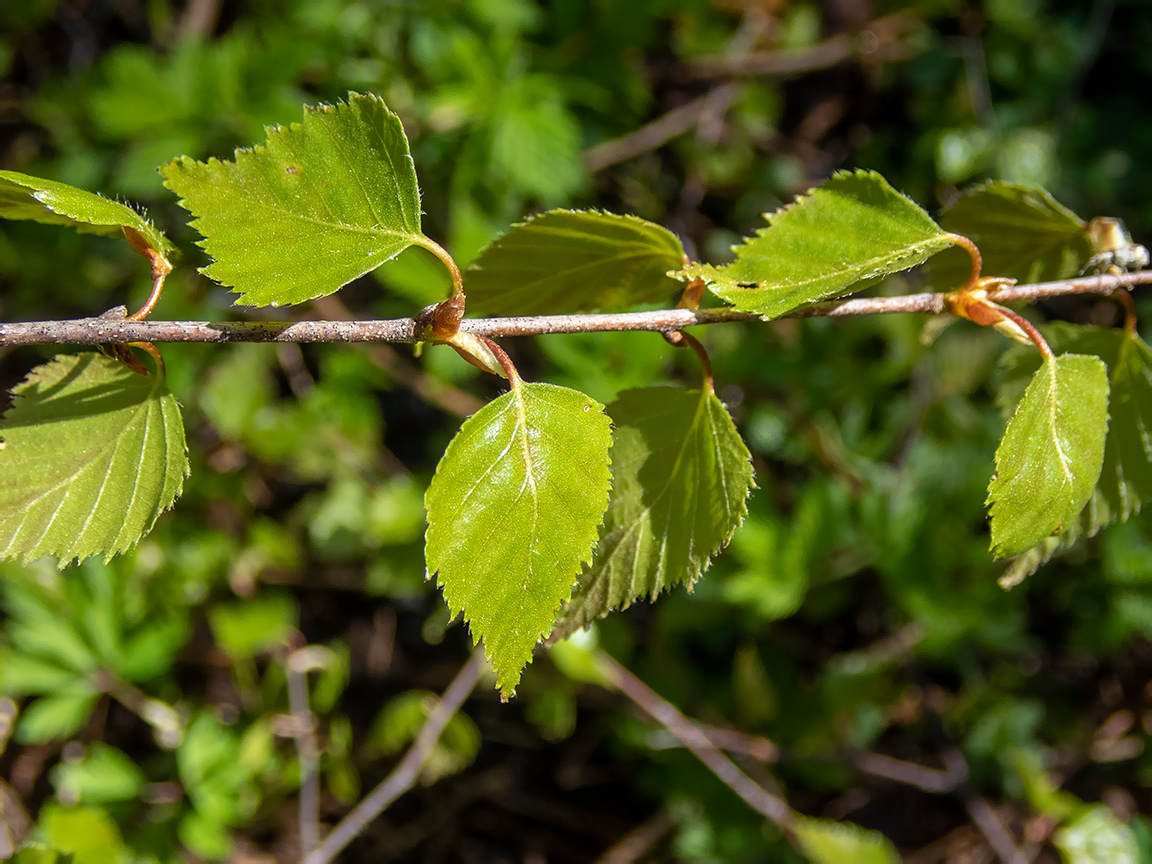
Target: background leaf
{"x": 828, "y": 842}
{"x": 92, "y": 454}
{"x": 1096, "y": 836}
{"x": 680, "y": 478}
{"x": 854, "y": 227}
{"x": 567, "y": 260}
{"x": 321, "y": 203}
{"x": 512, "y": 514}
{"x": 1021, "y": 231}
{"x": 1049, "y": 460}
{"x": 25, "y": 197}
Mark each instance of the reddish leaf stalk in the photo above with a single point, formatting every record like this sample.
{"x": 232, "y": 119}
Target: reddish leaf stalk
{"x": 514, "y": 378}
{"x": 1032, "y": 332}
{"x": 974, "y": 254}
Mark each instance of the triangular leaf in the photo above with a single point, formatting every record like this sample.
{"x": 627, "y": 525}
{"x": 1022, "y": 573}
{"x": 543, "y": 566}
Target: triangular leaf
{"x": 1022, "y": 233}
{"x": 680, "y": 478}
{"x": 512, "y": 515}
{"x": 321, "y": 203}
{"x": 25, "y": 197}
{"x": 826, "y": 842}
{"x": 92, "y": 453}
{"x": 1050, "y": 457}
{"x": 1126, "y": 472}
{"x": 852, "y": 228}
{"x": 566, "y": 260}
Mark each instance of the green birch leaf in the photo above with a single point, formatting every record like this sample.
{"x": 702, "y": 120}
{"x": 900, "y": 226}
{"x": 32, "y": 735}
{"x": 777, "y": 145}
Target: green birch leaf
{"x": 1096, "y": 836}
{"x": 1051, "y": 455}
{"x": 92, "y": 453}
{"x": 852, "y": 228}
{"x": 25, "y": 197}
{"x": 826, "y": 842}
{"x": 512, "y": 515}
{"x": 1126, "y": 473}
{"x": 564, "y": 261}
{"x": 681, "y": 476}
{"x": 1022, "y": 232}
{"x": 321, "y": 203}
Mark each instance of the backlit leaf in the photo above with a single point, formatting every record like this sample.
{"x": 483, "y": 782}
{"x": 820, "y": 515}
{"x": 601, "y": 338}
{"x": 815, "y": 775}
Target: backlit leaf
{"x": 25, "y": 197}
{"x": 1126, "y": 473}
{"x": 566, "y": 260}
{"x": 319, "y": 204}
{"x": 512, "y": 515}
{"x": 680, "y": 478}
{"x": 1096, "y": 836}
{"x": 1022, "y": 232}
{"x": 1050, "y": 457}
{"x": 826, "y": 842}
{"x": 852, "y": 228}
{"x": 92, "y": 454}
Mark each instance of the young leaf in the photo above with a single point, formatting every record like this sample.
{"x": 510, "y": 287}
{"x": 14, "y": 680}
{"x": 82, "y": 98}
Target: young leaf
{"x": 567, "y": 260}
{"x": 512, "y": 515}
{"x": 1050, "y": 457}
{"x": 826, "y": 842}
{"x": 1022, "y": 233}
{"x": 1126, "y": 473}
{"x": 852, "y": 228}
{"x": 92, "y": 453}
{"x": 321, "y": 203}
{"x": 25, "y": 197}
{"x": 680, "y": 478}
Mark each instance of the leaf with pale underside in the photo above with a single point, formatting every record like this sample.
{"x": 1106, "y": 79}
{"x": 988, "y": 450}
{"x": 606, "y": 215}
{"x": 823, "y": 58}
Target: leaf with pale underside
{"x": 1050, "y": 458}
{"x": 854, "y": 227}
{"x": 321, "y": 203}
{"x": 1022, "y": 233}
{"x": 1126, "y": 474}
{"x": 39, "y": 200}
{"x": 512, "y": 516}
{"x": 566, "y": 261}
{"x": 92, "y": 454}
{"x": 681, "y": 476}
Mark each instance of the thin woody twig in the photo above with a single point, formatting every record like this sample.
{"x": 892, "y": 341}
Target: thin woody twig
{"x": 94, "y": 331}
{"x": 406, "y": 773}
{"x": 754, "y": 795}
{"x": 296, "y": 673}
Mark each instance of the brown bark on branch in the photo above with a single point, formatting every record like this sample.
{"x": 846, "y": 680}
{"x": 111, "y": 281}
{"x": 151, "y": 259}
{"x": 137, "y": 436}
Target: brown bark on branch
{"x": 95, "y": 331}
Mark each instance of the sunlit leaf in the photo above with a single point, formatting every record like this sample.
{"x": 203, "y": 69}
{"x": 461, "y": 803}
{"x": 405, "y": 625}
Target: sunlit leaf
{"x": 512, "y": 515}
{"x": 1096, "y": 836}
{"x": 1022, "y": 233}
{"x": 565, "y": 260}
{"x": 1050, "y": 457}
{"x": 57, "y": 716}
{"x": 852, "y": 228}
{"x": 826, "y": 842}
{"x": 92, "y": 453}
{"x": 680, "y": 479}
{"x": 24, "y": 197}
{"x": 319, "y": 204}
{"x": 1126, "y": 473}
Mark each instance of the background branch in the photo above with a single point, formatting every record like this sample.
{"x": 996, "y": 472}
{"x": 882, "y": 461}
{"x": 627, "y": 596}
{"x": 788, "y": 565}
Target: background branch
{"x": 95, "y": 331}
{"x": 405, "y": 774}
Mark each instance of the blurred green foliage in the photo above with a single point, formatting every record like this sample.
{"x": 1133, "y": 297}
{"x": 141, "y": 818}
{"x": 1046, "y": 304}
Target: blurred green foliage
{"x": 856, "y": 610}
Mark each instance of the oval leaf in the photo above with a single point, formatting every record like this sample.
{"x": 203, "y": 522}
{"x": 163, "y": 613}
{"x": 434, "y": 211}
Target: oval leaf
{"x": 321, "y": 203}
{"x": 1126, "y": 474}
{"x": 92, "y": 453}
{"x": 826, "y": 842}
{"x": 25, "y": 197}
{"x": 564, "y": 261}
{"x": 852, "y": 228}
{"x": 681, "y": 476}
{"x": 512, "y": 515}
{"x": 1022, "y": 233}
{"x": 1050, "y": 457}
